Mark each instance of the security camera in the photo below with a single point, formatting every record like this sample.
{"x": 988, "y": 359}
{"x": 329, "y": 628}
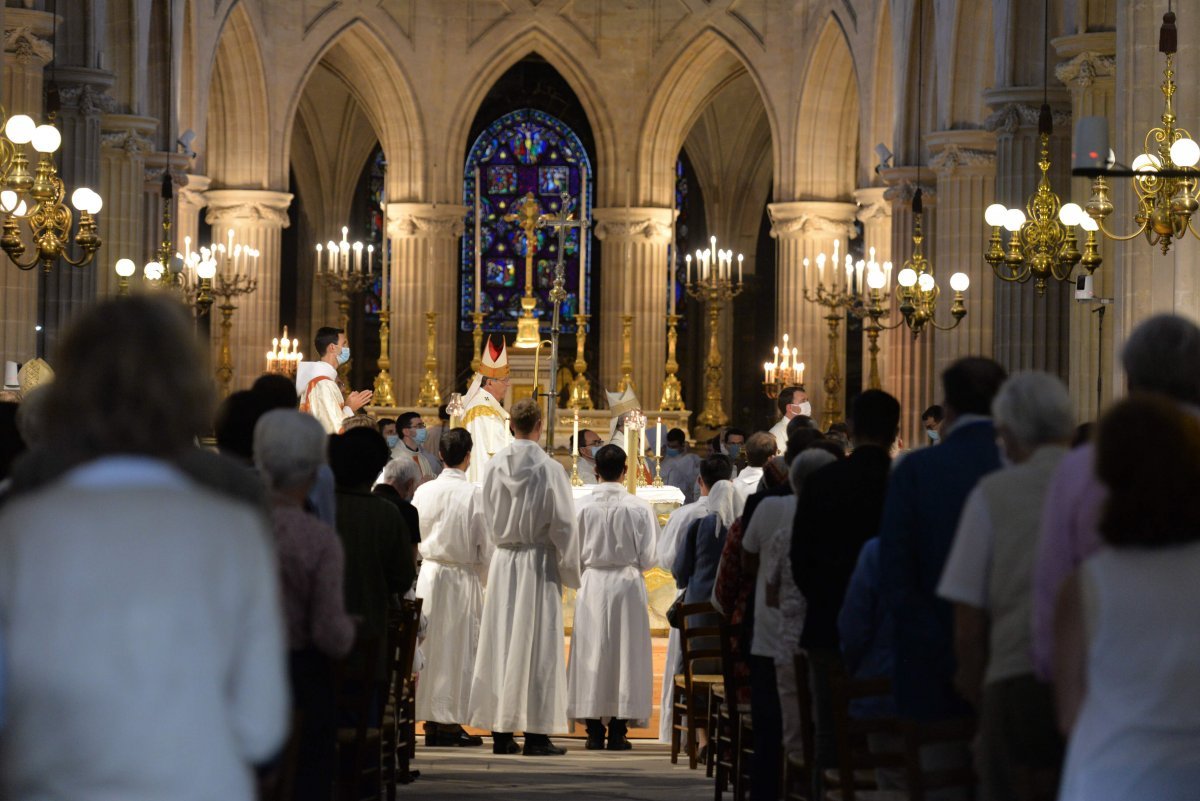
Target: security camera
{"x": 184, "y": 143}
{"x": 1084, "y": 292}
{"x": 885, "y": 156}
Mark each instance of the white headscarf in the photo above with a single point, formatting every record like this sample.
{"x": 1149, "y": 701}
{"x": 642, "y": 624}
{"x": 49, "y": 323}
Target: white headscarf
{"x": 725, "y": 502}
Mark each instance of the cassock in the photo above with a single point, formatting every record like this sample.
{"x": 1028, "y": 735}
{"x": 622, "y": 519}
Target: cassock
{"x": 456, "y": 549}
{"x": 610, "y": 672}
{"x": 316, "y": 386}
{"x": 779, "y": 432}
{"x": 487, "y": 422}
{"x": 668, "y": 543}
{"x": 520, "y": 681}
{"x": 681, "y": 472}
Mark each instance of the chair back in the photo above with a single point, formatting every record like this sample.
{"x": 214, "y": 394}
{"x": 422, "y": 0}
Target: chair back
{"x": 698, "y": 638}
{"x": 356, "y": 684}
{"x": 852, "y": 735}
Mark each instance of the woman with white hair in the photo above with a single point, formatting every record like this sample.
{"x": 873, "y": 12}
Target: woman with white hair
{"x": 289, "y": 447}
{"x": 989, "y": 578}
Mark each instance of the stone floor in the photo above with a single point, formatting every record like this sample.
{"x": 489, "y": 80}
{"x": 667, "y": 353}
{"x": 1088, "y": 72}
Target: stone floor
{"x": 643, "y": 774}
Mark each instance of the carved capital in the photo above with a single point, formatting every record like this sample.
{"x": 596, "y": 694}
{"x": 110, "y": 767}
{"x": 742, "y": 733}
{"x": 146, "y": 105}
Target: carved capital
{"x": 1086, "y": 68}
{"x": 954, "y": 157}
{"x": 229, "y": 208}
{"x": 191, "y": 192}
{"x": 405, "y": 220}
{"x": 651, "y": 225}
{"x": 86, "y": 98}
{"x": 1011, "y": 116}
{"x": 903, "y": 192}
{"x": 816, "y": 218}
{"x": 132, "y": 142}
{"x": 26, "y": 46}
{"x": 153, "y": 175}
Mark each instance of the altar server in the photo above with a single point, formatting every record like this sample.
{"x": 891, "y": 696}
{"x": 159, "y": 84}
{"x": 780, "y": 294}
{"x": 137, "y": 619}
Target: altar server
{"x": 520, "y": 681}
{"x": 456, "y": 551}
{"x": 485, "y": 416}
{"x": 316, "y": 382}
{"x": 609, "y": 675}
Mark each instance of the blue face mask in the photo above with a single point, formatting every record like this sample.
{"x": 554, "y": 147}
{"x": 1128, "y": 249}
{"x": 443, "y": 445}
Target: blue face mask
{"x": 344, "y": 355}
{"x": 734, "y": 450}
{"x": 673, "y": 451}
{"x": 933, "y": 434}
{"x": 420, "y": 435}
{"x": 393, "y": 440}
{"x": 590, "y": 450}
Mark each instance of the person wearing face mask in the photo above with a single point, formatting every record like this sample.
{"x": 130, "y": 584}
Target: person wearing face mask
{"x": 733, "y": 443}
{"x": 680, "y": 469}
{"x": 931, "y": 421}
{"x": 316, "y": 382}
{"x": 411, "y": 433}
{"x": 793, "y": 401}
{"x": 387, "y": 427}
{"x": 589, "y": 443}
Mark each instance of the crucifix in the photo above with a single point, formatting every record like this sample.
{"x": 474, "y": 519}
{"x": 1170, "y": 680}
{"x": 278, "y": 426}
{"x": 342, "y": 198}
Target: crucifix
{"x": 528, "y": 218}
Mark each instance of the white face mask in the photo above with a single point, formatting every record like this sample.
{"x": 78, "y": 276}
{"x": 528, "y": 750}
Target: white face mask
{"x": 801, "y": 408}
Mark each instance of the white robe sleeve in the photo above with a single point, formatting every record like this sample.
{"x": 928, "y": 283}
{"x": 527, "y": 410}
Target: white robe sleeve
{"x": 325, "y": 403}
{"x": 564, "y": 531}
{"x": 647, "y": 534}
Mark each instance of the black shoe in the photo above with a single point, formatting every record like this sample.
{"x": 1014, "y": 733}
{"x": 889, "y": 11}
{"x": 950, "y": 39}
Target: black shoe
{"x": 464, "y": 740}
{"x": 506, "y": 747}
{"x": 622, "y": 744}
{"x": 594, "y": 744}
{"x": 546, "y": 748}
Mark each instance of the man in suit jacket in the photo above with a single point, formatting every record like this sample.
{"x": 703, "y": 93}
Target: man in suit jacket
{"x": 925, "y": 497}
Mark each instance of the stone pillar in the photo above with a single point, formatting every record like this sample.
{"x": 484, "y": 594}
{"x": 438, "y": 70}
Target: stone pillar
{"x": 804, "y": 229}
{"x": 965, "y": 163}
{"x": 1030, "y": 332}
{"x": 192, "y": 197}
{"x": 1089, "y": 73}
{"x": 26, "y": 53}
{"x": 425, "y": 240}
{"x": 637, "y": 286}
{"x": 123, "y": 148}
{"x": 909, "y": 374}
{"x": 66, "y": 290}
{"x": 257, "y": 216}
{"x": 875, "y": 214}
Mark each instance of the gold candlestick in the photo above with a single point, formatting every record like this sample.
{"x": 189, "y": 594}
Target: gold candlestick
{"x": 477, "y": 338}
{"x": 672, "y": 394}
{"x": 431, "y": 393}
{"x": 383, "y": 382}
{"x": 576, "y": 481}
{"x": 658, "y": 482}
{"x": 832, "y": 413}
{"x": 225, "y": 360}
{"x": 715, "y": 285}
{"x": 626, "y": 353}
{"x": 581, "y": 396}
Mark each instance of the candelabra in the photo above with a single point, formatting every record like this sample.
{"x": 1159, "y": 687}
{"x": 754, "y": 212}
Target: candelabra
{"x": 836, "y": 298}
{"x": 431, "y": 393}
{"x": 778, "y": 374}
{"x": 345, "y": 280}
{"x": 1166, "y": 183}
{"x": 227, "y": 288}
{"x": 37, "y": 200}
{"x": 581, "y": 393}
{"x": 1043, "y": 245}
{"x": 284, "y": 356}
{"x": 873, "y": 297}
{"x": 626, "y": 381}
{"x": 715, "y": 286}
{"x": 918, "y": 291}
{"x": 672, "y": 394}
{"x": 383, "y": 394}
{"x": 529, "y": 218}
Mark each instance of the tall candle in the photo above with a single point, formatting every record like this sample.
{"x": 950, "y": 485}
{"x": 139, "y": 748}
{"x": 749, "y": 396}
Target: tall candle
{"x": 688, "y": 261}
{"x": 628, "y": 243}
{"x": 658, "y": 438}
{"x": 575, "y": 437}
{"x": 642, "y": 440}
{"x": 478, "y": 240}
{"x": 740, "y": 257}
{"x": 584, "y": 235}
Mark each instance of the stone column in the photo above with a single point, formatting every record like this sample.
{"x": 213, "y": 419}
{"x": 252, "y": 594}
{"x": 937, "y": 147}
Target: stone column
{"x": 1030, "y": 332}
{"x": 66, "y": 290}
{"x": 1089, "y": 74}
{"x": 875, "y": 214}
{"x": 804, "y": 229}
{"x": 909, "y": 374}
{"x": 637, "y": 285}
{"x": 192, "y": 197}
{"x": 257, "y": 216}
{"x": 124, "y": 143}
{"x": 425, "y": 240}
{"x": 965, "y": 163}
{"x": 26, "y": 53}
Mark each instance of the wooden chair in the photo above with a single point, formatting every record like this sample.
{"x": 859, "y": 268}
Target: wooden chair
{"x": 399, "y": 741}
{"x": 731, "y": 734}
{"x": 855, "y": 775}
{"x": 358, "y": 688}
{"x": 797, "y": 773}
{"x": 922, "y": 780}
{"x": 686, "y": 715}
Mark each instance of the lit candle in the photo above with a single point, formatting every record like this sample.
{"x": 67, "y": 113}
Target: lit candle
{"x": 642, "y": 440}
{"x": 801, "y": 369}
{"x": 358, "y": 257}
{"x": 671, "y": 277}
{"x": 575, "y": 437}
{"x": 319, "y": 255}
{"x": 858, "y": 277}
{"x": 766, "y": 372}
{"x": 740, "y": 268}
{"x": 658, "y": 436}
{"x": 687, "y": 260}
{"x": 820, "y": 269}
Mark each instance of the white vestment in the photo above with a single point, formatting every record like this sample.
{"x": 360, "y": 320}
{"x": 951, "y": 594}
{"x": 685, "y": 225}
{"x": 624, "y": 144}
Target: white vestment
{"x": 419, "y": 457}
{"x": 487, "y": 422}
{"x": 520, "y": 681}
{"x": 779, "y": 432}
{"x": 325, "y": 401}
{"x": 746, "y": 482}
{"x": 587, "y": 471}
{"x": 456, "y": 550}
{"x": 610, "y": 672}
{"x": 668, "y": 543}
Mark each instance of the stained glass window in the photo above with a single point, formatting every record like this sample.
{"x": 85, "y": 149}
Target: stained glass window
{"x": 524, "y": 151}
{"x": 681, "y": 233}
{"x": 373, "y": 225}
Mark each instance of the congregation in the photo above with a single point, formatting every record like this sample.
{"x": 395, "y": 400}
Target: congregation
{"x": 1003, "y": 612}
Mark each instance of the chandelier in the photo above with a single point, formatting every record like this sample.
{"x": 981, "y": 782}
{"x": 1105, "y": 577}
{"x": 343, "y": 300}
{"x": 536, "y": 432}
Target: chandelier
{"x": 779, "y": 373}
{"x": 1165, "y": 178}
{"x": 1042, "y": 244}
{"x": 37, "y": 200}
{"x": 917, "y": 290}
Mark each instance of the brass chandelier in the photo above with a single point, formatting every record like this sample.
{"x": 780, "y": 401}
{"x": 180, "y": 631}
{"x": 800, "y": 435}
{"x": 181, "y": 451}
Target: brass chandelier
{"x": 917, "y": 290}
{"x": 1165, "y": 182}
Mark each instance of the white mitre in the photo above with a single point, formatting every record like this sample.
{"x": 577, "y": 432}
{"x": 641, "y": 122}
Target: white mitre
{"x": 619, "y": 403}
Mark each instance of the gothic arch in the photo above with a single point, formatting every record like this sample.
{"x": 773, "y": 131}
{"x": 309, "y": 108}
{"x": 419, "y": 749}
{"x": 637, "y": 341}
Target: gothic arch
{"x": 532, "y": 41}
{"x": 827, "y": 128}
{"x": 971, "y": 56}
{"x": 379, "y": 85}
{"x": 237, "y": 151}
{"x": 703, "y": 67}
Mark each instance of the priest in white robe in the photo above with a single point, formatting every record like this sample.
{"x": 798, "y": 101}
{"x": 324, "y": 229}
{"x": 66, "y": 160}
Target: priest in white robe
{"x": 520, "y": 681}
{"x": 316, "y": 382}
{"x": 609, "y": 675}
{"x": 484, "y": 414}
{"x": 589, "y": 444}
{"x": 792, "y": 401}
{"x": 456, "y": 549}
